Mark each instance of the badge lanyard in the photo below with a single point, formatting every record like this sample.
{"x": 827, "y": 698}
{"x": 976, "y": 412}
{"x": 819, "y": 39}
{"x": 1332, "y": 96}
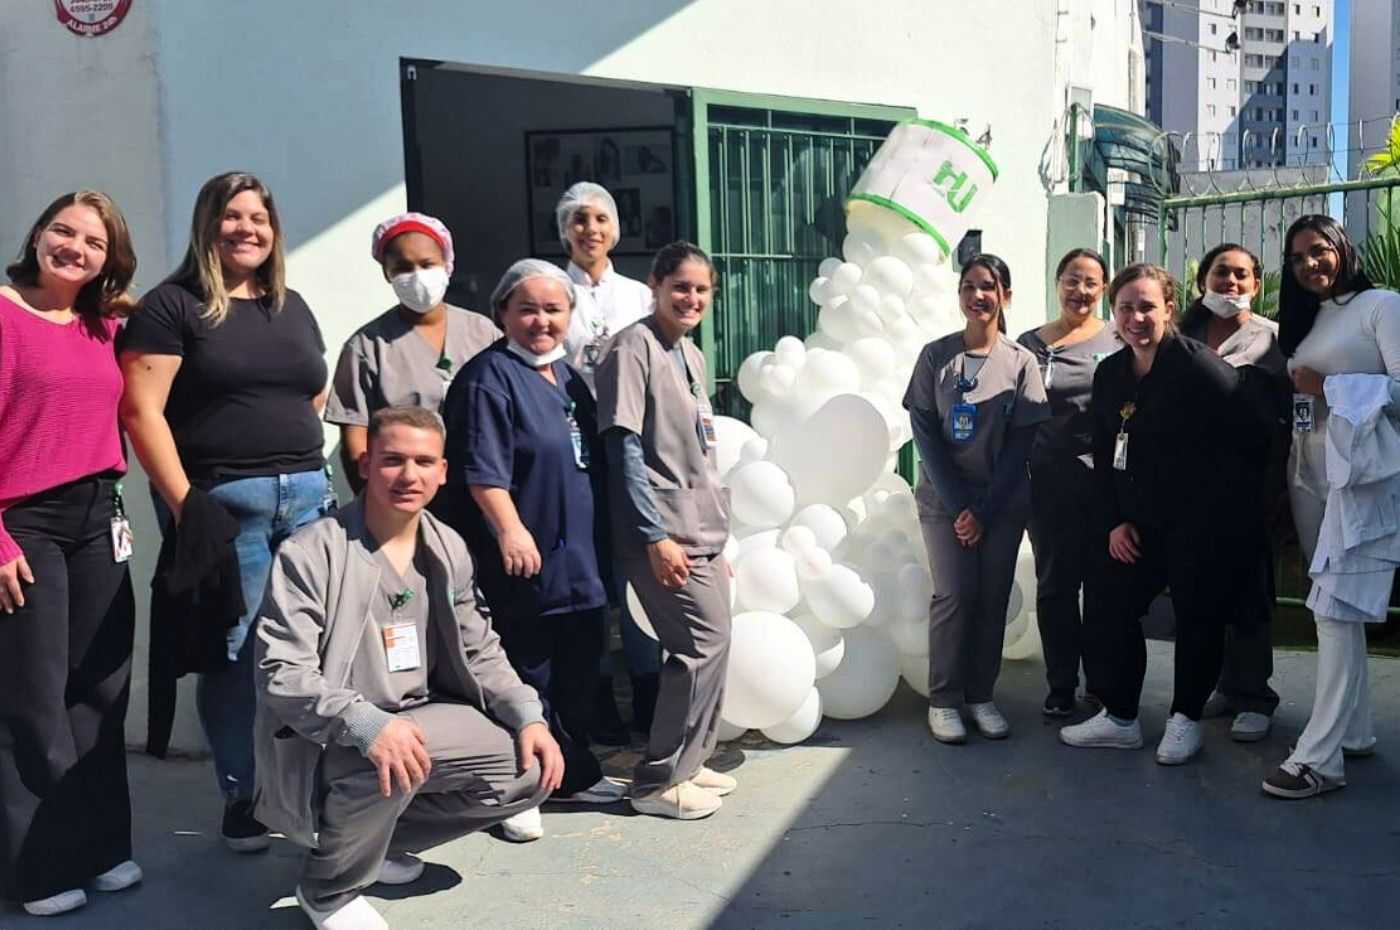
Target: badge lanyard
{"x": 1120, "y": 444}
{"x": 1303, "y": 413}
{"x": 704, "y": 414}
{"x": 123, "y": 543}
{"x": 964, "y": 414}
{"x": 581, "y": 456}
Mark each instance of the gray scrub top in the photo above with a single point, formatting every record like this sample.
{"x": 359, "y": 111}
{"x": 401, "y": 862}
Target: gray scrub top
{"x": 1067, "y": 373}
{"x": 386, "y": 363}
{"x": 1254, "y": 343}
{"x": 641, "y": 389}
{"x": 1007, "y": 393}
{"x": 399, "y": 599}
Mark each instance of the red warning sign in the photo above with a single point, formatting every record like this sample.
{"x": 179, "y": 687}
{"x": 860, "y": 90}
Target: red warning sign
{"x": 92, "y": 18}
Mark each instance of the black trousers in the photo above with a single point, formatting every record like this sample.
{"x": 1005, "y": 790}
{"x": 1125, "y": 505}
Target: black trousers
{"x": 65, "y": 676}
{"x": 1116, "y": 596}
{"x": 1249, "y": 647}
{"x": 1062, "y": 538}
{"x": 558, "y": 655}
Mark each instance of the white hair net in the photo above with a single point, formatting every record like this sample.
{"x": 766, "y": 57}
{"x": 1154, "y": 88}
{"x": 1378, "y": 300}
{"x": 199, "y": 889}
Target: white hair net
{"x": 524, "y": 270}
{"x": 585, "y": 193}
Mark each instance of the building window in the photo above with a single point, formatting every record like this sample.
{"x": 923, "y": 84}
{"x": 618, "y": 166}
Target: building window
{"x": 1297, "y": 9}
{"x": 1313, "y": 140}
{"x": 1312, "y": 88}
{"x": 1231, "y": 84}
{"x": 1317, "y": 38}
{"x": 1276, "y": 35}
{"x": 1295, "y": 115}
{"x": 1212, "y": 29}
{"x": 1210, "y": 109}
{"x": 1232, "y": 111}
{"x": 1317, "y": 11}
{"x": 1210, "y": 83}
{"x": 1315, "y": 64}
{"x": 1254, "y": 33}
{"x": 1295, "y": 88}
{"x": 1315, "y": 116}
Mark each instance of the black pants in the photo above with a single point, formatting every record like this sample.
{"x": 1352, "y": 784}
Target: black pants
{"x": 1062, "y": 539}
{"x": 65, "y": 676}
{"x": 1249, "y": 648}
{"x": 1116, "y": 596}
{"x": 557, "y": 655}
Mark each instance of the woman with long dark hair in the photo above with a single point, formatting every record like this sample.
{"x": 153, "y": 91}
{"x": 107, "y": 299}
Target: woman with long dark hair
{"x": 975, "y": 400}
{"x": 1229, "y": 281}
{"x": 65, "y": 592}
{"x": 1342, "y": 339}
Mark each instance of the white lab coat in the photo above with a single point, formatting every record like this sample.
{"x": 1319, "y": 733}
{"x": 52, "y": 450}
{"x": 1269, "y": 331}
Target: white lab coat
{"x": 1358, "y": 544}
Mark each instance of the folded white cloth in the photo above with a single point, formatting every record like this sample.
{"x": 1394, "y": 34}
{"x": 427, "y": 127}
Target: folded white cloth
{"x": 1358, "y": 545}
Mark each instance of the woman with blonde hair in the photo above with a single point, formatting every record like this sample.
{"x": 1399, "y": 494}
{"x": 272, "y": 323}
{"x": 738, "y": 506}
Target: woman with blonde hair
{"x": 65, "y": 592}
{"x": 225, "y": 380}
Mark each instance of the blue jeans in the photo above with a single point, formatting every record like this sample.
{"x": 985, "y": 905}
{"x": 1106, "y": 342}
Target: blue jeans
{"x": 268, "y": 510}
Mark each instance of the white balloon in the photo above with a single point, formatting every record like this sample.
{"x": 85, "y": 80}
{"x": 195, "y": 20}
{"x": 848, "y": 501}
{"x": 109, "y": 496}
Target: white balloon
{"x": 728, "y": 731}
{"x": 890, "y": 275}
{"x": 839, "y": 598}
{"x": 861, "y": 249}
{"x": 820, "y": 340}
{"x": 752, "y": 542}
{"x": 639, "y": 616}
{"x": 910, "y": 636}
{"x": 800, "y": 725}
{"x": 914, "y": 670}
{"x": 771, "y": 670}
{"x": 866, "y": 678}
{"x": 769, "y": 416}
{"x": 892, "y": 313}
{"x": 840, "y": 321}
{"x": 835, "y": 454}
{"x": 865, "y": 298}
{"x": 828, "y": 372}
{"x": 873, "y": 357}
{"x": 766, "y": 580}
{"x": 1015, "y": 603}
{"x": 791, "y": 351}
{"x": 845, "y": 278}
{"x": 748, "y": 376}
{"x": 1027, "y": 645}
{"x": 828, "y": 267}
{"x": 1015, "y": 629}
{"x": 797, "y": 539}
{"x": 776, "y": 379}
{"x": 825, "y": 523}
{"x": 730, "y": 436}
{"x": 1026, "y": 578}
{"x": 760, "y": 494}
{"x": 731, "y": 551}
{"x": 828, "y": 645}
{"x": 754, "y": 449}
{"x": 915, "y": 591}
{"x": 817, "y": 290}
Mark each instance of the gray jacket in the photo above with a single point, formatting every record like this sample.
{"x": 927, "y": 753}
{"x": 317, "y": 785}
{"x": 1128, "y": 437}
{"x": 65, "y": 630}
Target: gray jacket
{"x": 312, "y": 622}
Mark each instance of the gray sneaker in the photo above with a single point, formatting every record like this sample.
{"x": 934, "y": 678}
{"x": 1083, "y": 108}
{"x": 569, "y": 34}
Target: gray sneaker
{"x": 946, "y": 725}
{"x": 1249, "y": 727}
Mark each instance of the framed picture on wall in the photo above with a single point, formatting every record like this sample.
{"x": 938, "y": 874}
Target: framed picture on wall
{"x": 634, "y": 164}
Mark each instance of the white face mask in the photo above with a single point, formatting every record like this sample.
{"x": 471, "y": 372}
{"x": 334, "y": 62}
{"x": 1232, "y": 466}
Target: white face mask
{"x": 537, "y": 361}
{"x": 421, "y": 290}
{"x": 1225, "y": 305}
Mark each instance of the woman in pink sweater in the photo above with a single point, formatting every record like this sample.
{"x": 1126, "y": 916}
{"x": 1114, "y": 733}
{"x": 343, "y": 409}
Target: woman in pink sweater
{"x": 66, "y": 608}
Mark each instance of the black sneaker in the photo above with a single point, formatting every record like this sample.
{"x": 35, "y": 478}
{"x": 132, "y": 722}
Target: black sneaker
{"x": 1305, "y": 783}
{"x": 1058, "y": 704}
{"x": 242, "y": 832}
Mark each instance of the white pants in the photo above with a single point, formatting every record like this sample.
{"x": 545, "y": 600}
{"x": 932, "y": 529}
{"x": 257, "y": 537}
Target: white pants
{"x": 1341, "y": 714}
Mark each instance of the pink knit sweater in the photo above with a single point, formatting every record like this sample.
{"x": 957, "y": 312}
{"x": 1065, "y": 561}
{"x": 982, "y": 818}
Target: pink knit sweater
{"x": 59, "y": 388}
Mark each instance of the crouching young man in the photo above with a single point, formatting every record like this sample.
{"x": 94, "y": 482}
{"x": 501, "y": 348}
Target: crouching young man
{"x": 389, "y": 720}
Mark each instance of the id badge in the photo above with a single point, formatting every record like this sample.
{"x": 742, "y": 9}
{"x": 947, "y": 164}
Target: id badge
{"x": 1303, "y": 413}
{"x": 1120, "y": 452}
{"x": 964, "y": 422}
{"x": 123, "y": 543}
{"x": 707, "y": 429}
{"x": 401, "y": 647}
{"x": 576, "y": 438}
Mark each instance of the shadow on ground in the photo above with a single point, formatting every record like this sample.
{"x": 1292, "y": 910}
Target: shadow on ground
{"x": 868, "y": 824}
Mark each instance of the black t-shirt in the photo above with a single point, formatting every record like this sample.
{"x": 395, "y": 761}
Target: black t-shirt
{"x": 241, "y": 404}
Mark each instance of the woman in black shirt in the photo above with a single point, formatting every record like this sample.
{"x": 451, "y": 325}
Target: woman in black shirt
{"x": 225, "y": 380}
{"x": 1173, "y": 439}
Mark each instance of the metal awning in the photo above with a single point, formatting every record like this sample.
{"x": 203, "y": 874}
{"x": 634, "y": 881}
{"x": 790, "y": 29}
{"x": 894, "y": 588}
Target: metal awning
{"x": 1134, "y": 149}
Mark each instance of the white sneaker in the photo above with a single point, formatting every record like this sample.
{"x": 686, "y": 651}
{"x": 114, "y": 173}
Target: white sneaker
{"x": 1103, "y": 732}
{"x": 60, "y": 903}
{"x": 684, "y": 801}
{"x": 989, "y": 721}
{"x": 403, "y": 869}
{"x": 604, "y": 791}
{"x": 717, "y": 783}
{"x": 1217, "y": 705}
{"x": 358, "y": 914}
{"x": 1180, "y": 741}
{"x": 946, "y": 725}
{"x": 524, "y": 827}
{"x": 119, "y": 877}
{"x": 1250, "y": 727}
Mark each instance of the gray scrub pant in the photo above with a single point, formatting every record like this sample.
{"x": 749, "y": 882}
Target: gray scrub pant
{"x": 475, "y": 783}
{"x": 692, "y": 622}
{"x": 967, "y": 613}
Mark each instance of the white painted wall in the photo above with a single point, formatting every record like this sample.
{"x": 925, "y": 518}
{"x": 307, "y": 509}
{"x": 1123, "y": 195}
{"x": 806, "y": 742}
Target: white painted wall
{"x": 307, "y": 96}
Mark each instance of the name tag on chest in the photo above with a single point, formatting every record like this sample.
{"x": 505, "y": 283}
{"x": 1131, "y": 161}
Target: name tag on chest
{"x": 401, "y": 647}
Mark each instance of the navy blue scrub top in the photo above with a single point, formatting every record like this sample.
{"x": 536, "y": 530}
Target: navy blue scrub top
{"x": 509, "y": 428}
